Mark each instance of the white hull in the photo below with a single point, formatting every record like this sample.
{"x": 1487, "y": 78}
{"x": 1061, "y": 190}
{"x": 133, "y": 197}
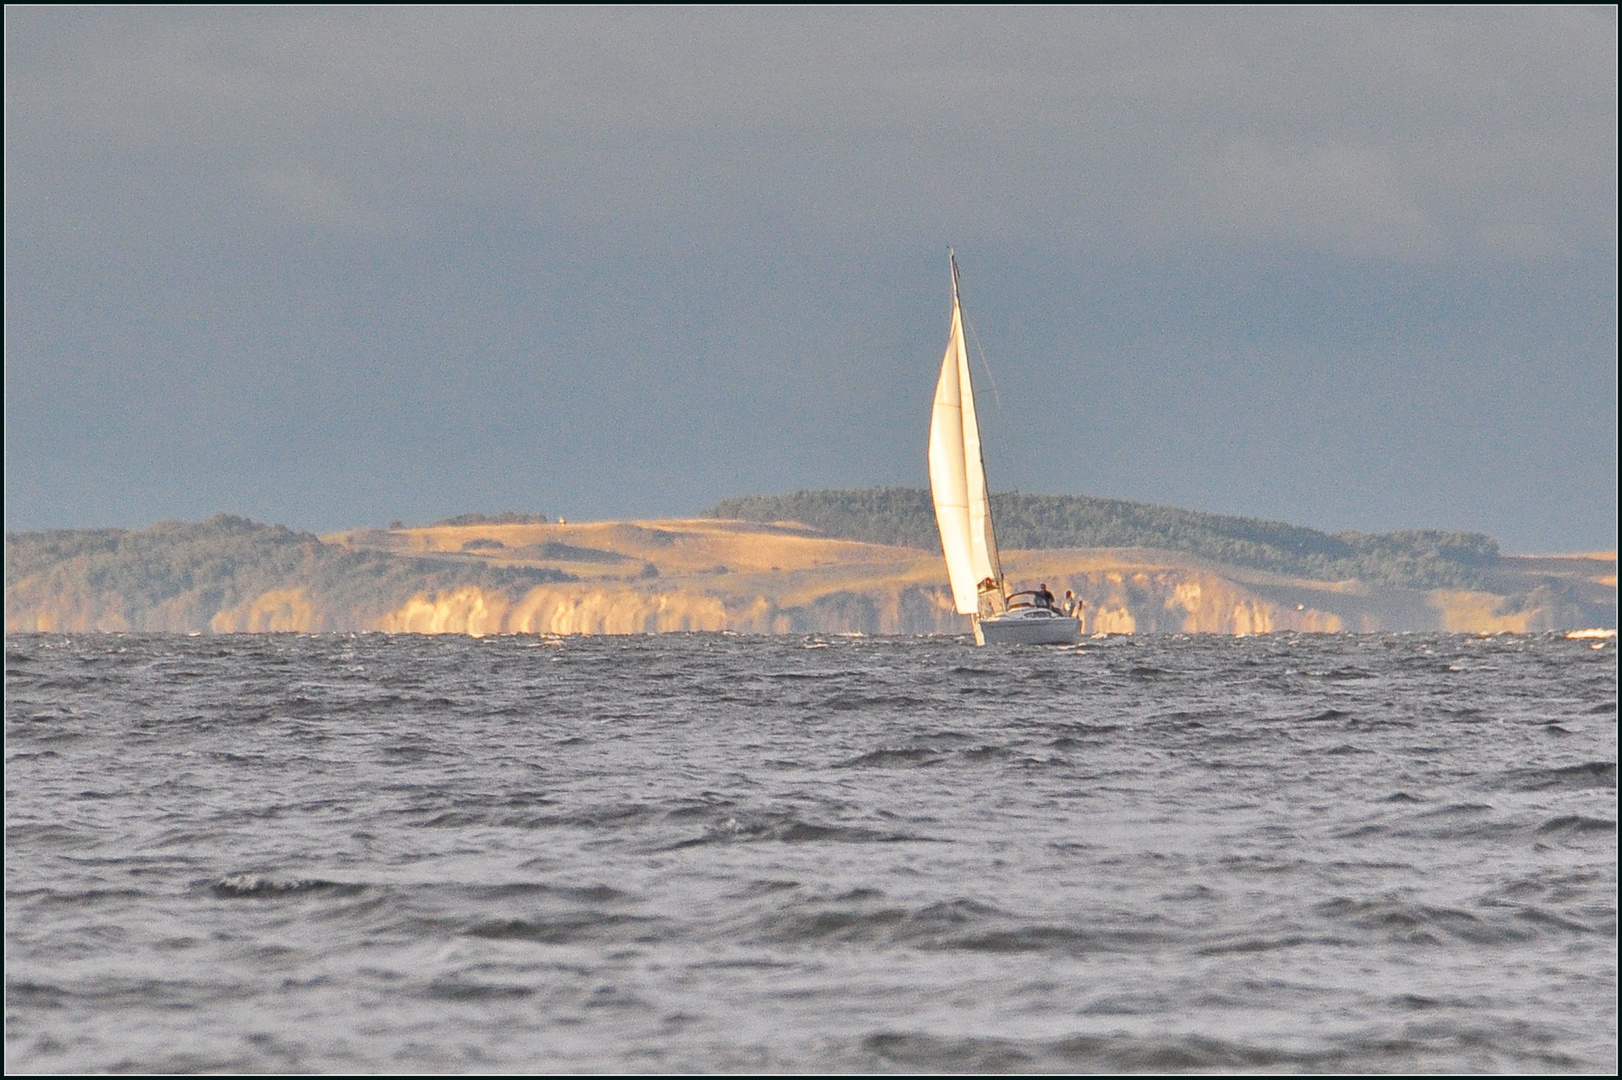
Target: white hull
{"x": 1027, "y": 626}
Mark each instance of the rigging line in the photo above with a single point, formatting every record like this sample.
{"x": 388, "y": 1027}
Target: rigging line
{"x": 985, "y": 361}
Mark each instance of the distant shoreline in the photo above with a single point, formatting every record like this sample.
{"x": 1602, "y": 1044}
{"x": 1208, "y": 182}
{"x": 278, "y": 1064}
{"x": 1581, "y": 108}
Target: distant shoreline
{"x": 229, "y": 574}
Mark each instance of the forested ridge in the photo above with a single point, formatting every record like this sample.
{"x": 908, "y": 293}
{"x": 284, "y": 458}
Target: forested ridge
{"x": 1423, "y": 558}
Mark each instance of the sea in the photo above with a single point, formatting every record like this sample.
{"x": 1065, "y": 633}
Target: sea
{"x": 721, "y": 853}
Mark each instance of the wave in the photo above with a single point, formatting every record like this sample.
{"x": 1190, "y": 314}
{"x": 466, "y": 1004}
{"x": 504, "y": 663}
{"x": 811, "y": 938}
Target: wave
{"x": 1510, "y": 1048}
{"x": 959, "y": 925}
{"x": 572, "y": 927}
{"x": 785, "y": 827}
{"x": 66, "y": 898}
{"x": 1576, "y": 823}
{"x": 1590, "y": 774}
{"x": 463, "y": 991}
{"x": 588, "y": 894}
{"x": 1421, "y": 924}
{"x": 121, "y": 991}
{"x": 927, "y": 756}
{"x": 853, "y": 702}
{"x": 263, "y": 886}
{"x": 1556, "y": 921}
{"x": 891, "y": 758}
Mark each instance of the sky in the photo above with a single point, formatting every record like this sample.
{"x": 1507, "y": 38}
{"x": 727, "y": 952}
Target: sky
{"x": 1344, "y": 268}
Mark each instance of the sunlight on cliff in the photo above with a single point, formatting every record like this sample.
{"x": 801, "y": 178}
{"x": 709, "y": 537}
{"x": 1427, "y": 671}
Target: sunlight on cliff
{"x": 1477, "y": 612}
{"x": 707, "y": 575}
{"x": 277, "y": 611}
{"x": 557, "y": 610}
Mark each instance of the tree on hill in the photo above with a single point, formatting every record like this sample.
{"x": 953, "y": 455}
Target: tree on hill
{"x": 506, "y": 517}
{"x": 906, "y": 517}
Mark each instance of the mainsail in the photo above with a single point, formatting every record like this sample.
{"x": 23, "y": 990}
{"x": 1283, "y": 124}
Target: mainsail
{"x": 957, "y": 475}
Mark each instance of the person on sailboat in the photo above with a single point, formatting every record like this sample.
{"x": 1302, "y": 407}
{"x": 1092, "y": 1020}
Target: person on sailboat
{"x": 1072, "y": 602}
{"x": 990, "y": 596}
{"x": 1043, "y": 597}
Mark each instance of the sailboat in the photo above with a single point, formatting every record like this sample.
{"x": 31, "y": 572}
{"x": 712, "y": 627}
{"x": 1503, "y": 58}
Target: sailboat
{"x": 957, "y": 481}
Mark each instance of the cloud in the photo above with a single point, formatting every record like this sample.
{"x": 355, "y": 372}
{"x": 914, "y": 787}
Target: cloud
{"x": 1340, "y": 198}
{"x": 298, "y": 195}
{"x": 370, "y": 261}
{"x": 1433, "y": 133}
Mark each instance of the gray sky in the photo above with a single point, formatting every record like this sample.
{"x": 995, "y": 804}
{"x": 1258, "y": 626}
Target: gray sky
{"x": 1343, "y": 268}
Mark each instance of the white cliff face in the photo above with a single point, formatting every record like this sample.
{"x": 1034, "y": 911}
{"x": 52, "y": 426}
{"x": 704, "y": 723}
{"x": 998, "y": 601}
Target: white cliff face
{"x": 276, "y": 611}
{"x": 1180, "y": 600}
{"x": 586, "y": 609}
{"x": 1136, "y": 592}
{"x": 1117, "y": 601}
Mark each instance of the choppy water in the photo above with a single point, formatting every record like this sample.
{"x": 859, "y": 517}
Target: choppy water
{"x": 1335, "y": 853}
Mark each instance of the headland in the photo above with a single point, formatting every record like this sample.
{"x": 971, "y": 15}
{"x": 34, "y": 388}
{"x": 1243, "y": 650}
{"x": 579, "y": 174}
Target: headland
{"x": 523, "y": 574}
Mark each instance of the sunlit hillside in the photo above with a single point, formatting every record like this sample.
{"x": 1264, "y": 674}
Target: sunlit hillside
{"x": 490, "y": 577}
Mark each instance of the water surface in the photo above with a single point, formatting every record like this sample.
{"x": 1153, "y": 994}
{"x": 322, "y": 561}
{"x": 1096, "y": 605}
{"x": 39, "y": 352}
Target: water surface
{"x": 710, "y": 852}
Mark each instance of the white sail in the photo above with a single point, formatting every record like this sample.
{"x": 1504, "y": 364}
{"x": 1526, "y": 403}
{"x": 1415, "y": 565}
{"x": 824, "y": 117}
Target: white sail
{"x": 957, "y": 476}
{"x": 982, "y": 537}
{"x": 957, "y": 480}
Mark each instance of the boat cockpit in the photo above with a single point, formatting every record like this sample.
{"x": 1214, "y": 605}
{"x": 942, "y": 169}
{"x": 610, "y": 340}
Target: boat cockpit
{"x": 1032, "y": 600}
